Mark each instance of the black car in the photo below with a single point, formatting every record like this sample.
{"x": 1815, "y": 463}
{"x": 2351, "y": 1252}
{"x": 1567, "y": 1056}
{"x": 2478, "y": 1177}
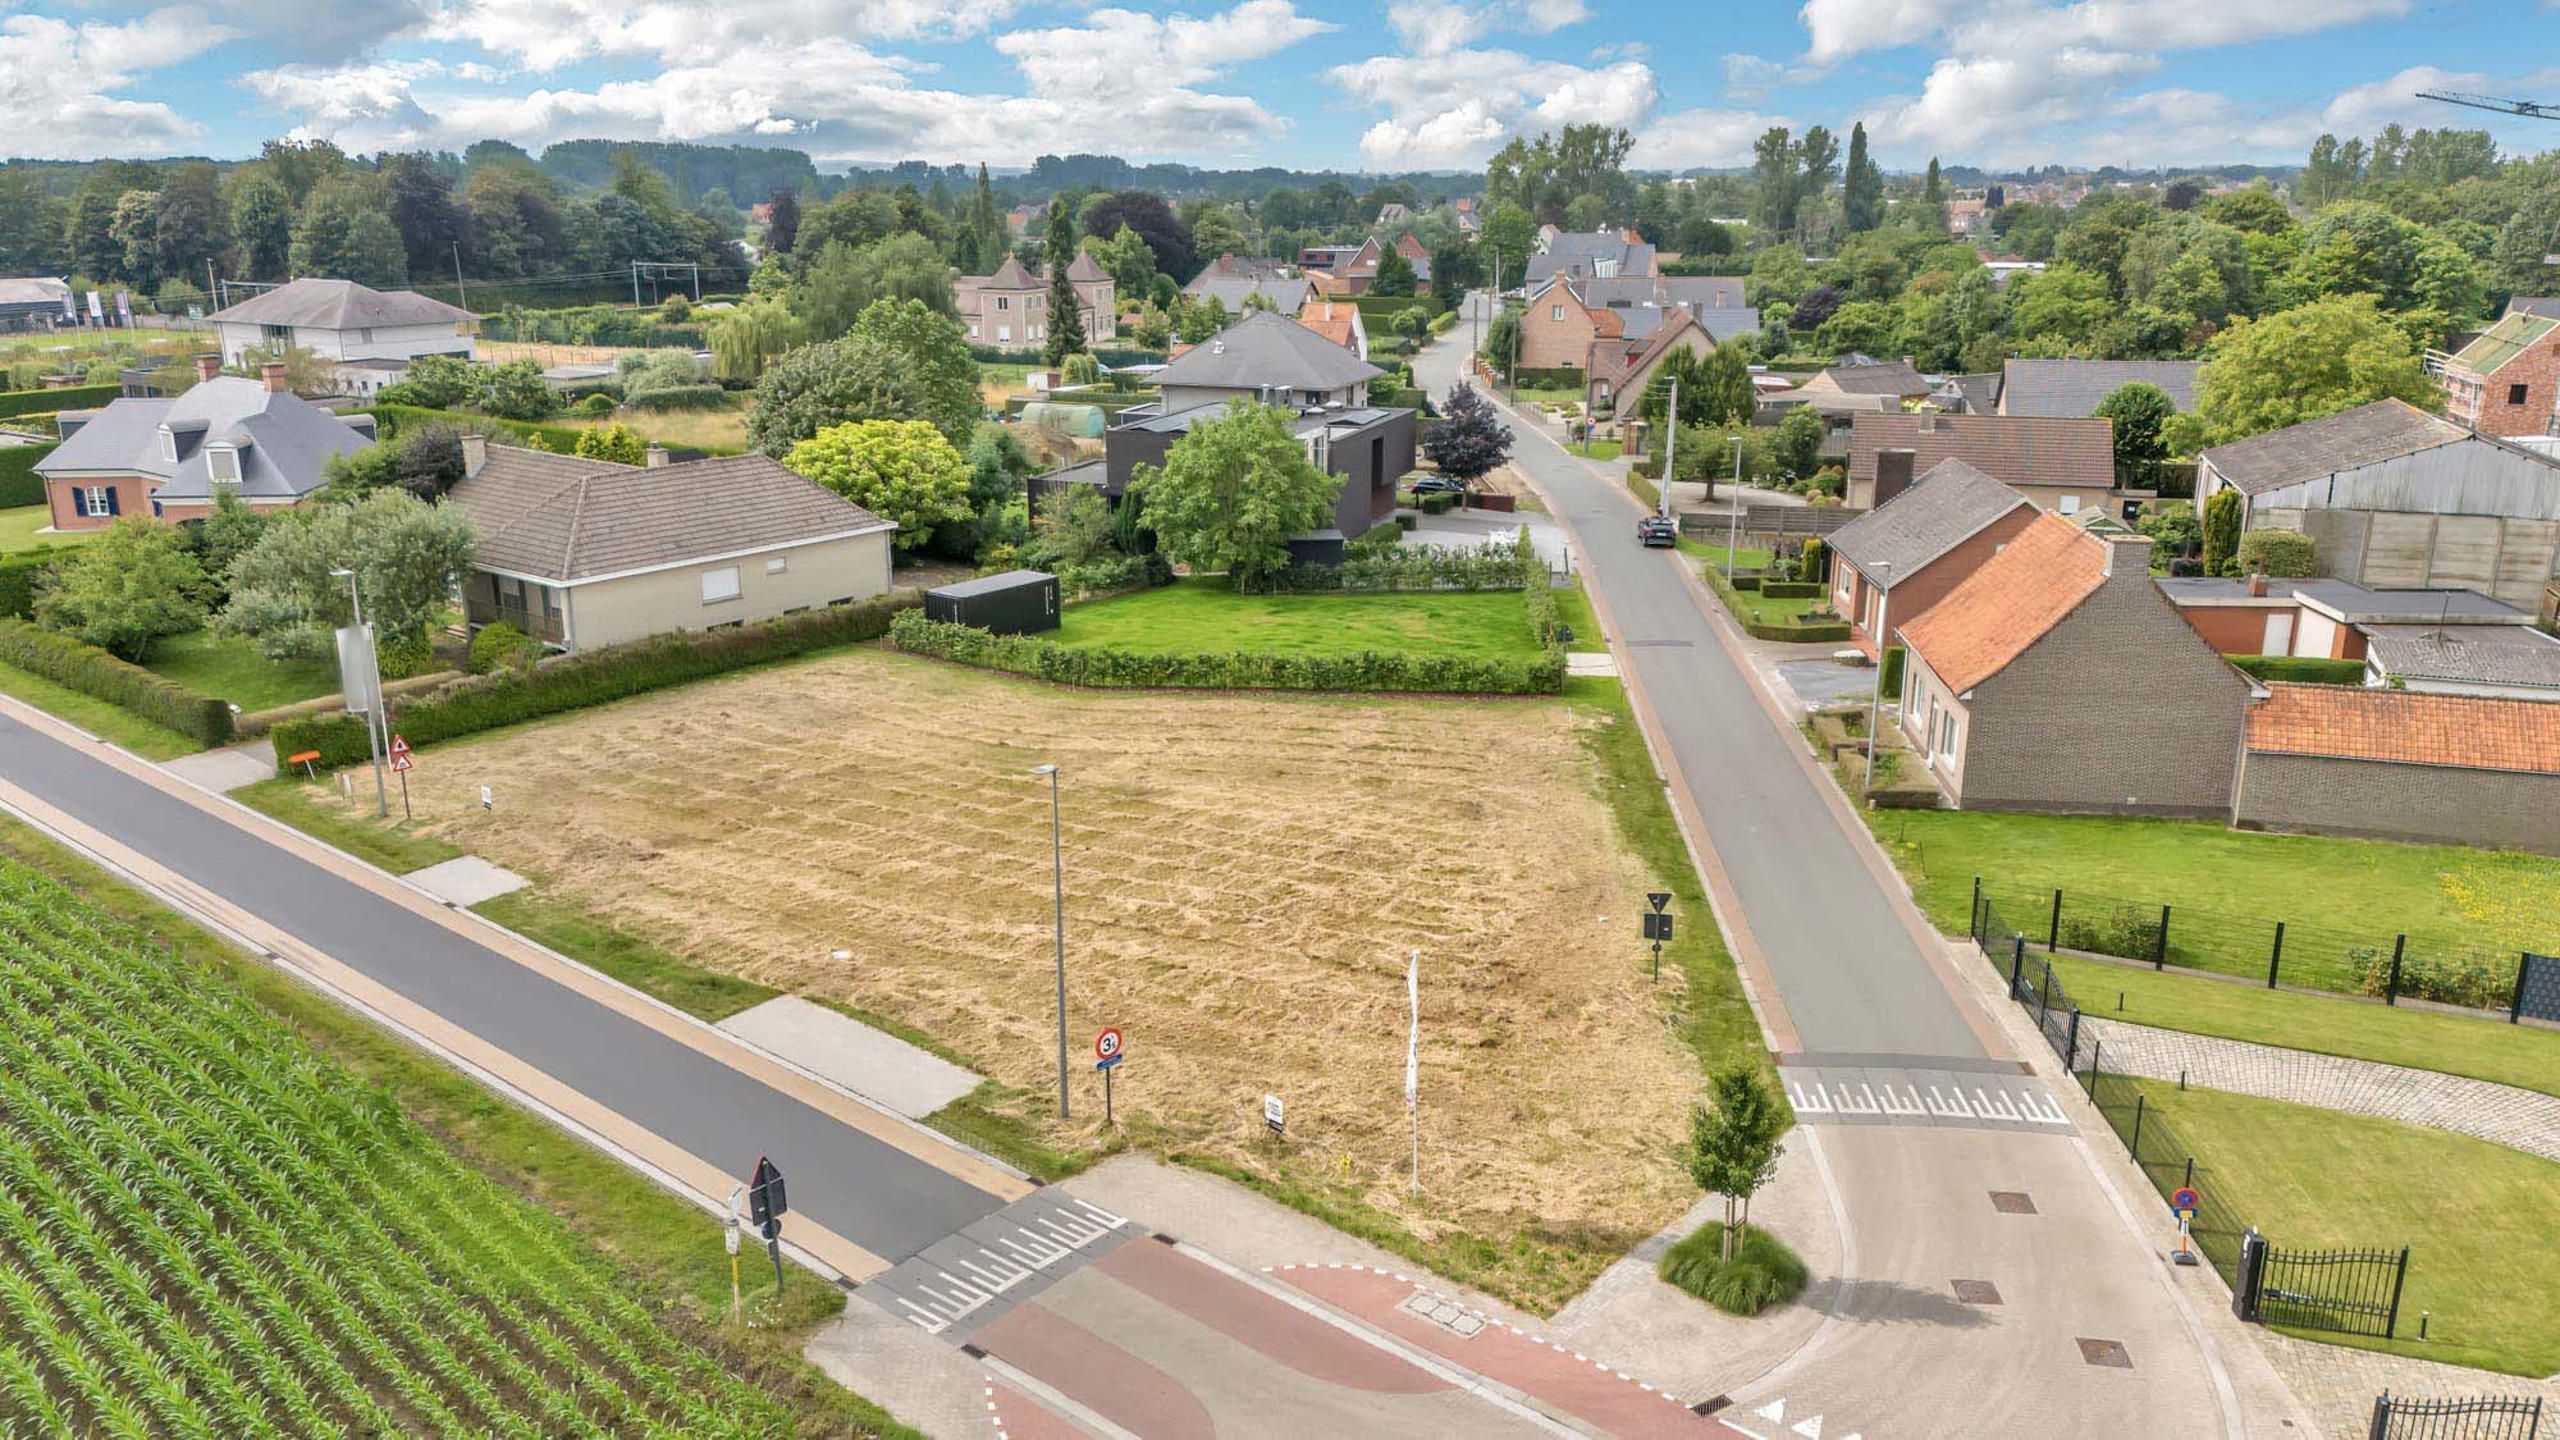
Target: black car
{"x": 1437, "y": 485}
{"x": 1656, "y": 531}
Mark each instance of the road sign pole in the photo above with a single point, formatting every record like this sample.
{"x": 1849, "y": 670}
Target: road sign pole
{"x": 1106, "y": 1099}
{"x": 405, "y": 812}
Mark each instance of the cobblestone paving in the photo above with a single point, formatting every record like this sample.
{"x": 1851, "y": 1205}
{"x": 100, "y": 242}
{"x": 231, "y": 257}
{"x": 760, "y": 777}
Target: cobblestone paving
{"x": 2339, "y": 1383}
{"x": 2519, "y": 1119}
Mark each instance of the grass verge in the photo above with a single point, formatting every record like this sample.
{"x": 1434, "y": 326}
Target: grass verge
{"x": 108, "y": 722}
{"x": 1762, "y": 1273}
{"x": 2475, "y": 1216}
{"x": 19, "y": 524}
{"x": 305, "y": 805}
{"x": 1574, "y": 608}
{"x": 232, "y": 669}
{"x": 670, "y": 1251}
{"x": 1206, "y": 616}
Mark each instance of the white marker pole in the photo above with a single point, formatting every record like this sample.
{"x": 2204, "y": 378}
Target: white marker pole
{"x": 1413, "y": 1057}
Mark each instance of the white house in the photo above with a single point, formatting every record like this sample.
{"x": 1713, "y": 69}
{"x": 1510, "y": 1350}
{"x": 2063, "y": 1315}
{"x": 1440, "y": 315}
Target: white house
{"x": 343, "y": 321}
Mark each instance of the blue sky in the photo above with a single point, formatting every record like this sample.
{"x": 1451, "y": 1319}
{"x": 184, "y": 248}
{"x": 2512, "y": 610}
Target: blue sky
{"x": 1310, "y": 83}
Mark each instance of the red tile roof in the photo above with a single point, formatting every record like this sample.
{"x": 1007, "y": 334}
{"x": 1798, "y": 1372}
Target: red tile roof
{"x": 2040, "y": 576}
{"x": 1330, "y": 320}
{"x": 2351, "y": 722}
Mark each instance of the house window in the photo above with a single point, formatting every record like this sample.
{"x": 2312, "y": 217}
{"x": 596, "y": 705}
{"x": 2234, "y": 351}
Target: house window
{"x": 1947, "y": 735}
{"x": 2070, "y": 504}
{"x": 2516, "y": 394}
{"x": 223, "y": 463}
{"x": 1555, "y": 312}
{"x": 95, "y": 499}
{"x": 278, "y": 337}
{"x": 1004, "y": 334}
{"x": 720, "y": 584}
{"x": 973, "y": 332}
{"x": 1004, "y": 302}
{"x": 777, "y": 564}
{"x": 168, "y": 444}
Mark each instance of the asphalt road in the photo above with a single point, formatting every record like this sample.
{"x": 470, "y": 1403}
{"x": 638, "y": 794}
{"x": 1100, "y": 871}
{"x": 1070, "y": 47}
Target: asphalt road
{"x": 873, "y": 1194}
{"x": 1851, "y": 977}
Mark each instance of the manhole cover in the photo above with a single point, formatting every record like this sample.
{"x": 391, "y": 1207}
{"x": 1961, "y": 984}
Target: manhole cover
{"x": 1976, "y": 1292}
{"x": 2013, "y": 1202}
{"x": 2105, "y": 1352}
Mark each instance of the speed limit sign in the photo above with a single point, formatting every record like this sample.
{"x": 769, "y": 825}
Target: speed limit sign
{"x": 1106, "y": 1049}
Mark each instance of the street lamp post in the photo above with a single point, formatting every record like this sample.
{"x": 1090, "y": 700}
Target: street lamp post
{"x": 1058, "y": 895}
{"x": 1875, "y": 707}
{"x": 373, "y": 696}
{"x": 1733, "y": 510}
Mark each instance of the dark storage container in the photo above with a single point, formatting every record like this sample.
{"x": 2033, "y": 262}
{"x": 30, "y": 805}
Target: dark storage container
{"x": 1016, "y": 602}
{"x": 1319, "y": 547}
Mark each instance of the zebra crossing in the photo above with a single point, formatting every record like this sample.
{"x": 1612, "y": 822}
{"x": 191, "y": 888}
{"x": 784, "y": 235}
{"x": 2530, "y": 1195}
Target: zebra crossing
{"x": 1907, "y": 1090}
{"x": 968, "y": 1278}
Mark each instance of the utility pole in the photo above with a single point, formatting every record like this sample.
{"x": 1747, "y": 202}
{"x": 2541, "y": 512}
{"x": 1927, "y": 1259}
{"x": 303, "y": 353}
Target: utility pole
{"x": 635, "y": 284}
{"x": 1733, "y": 511}
{"x": 461, "y": 297}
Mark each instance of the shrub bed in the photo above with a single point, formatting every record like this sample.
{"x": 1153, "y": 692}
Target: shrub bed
{"x": 19, "y": 482}
{"x": 70, "y": 397}
{"x": 2302, "y": 669}
{"x": 1790, "y": 589}
{"x": 1105, "y": 577}
{"x": 595, "y": 677}
{"x": 390, "y": 420}
{"x": 1121, "y": 669}
{"x": 1800, "y": 631}
{"x": 1762, "y": 1273}
{"x": 99, "y": 675}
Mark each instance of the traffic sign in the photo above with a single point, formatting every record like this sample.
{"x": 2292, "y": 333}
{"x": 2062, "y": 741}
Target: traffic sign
{"x": 400, "y": 754}
{"x": 1274, "y": 1117}
{"x": 2185, "y": 1202}
{"x": 767, "y": 1201}
{"x": 1657, "y": 928}
{"x": 1659, "y": 898}
{"x": 1106, "y": 1049}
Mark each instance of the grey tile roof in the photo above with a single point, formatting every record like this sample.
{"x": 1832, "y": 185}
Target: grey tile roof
{"x": 2076, "y": 387}
{"x": 2354, "y": 603}
{"x": 284, "y": 440}
{"x": 33, "y": 290}
{"x": 1266, "y": 349}
{"x": 1706, "y": 292}
{"x": 2507, "y": 655}
{"x": 2015, "y": 449}
{"x": 2546, "y": 306}
{"x": 340, "y": 305}
{"x": 2366, "y": 435}
{"x": 558, "y": 517}
{"x": 1941, "y": 510}
{"x": 1981, "y": 392}
{"x": 1888, "y": 377}
{"x": 1286, "y": 296}
{"x": 1579, "y": 253}
{"x": 1639, "y": 321}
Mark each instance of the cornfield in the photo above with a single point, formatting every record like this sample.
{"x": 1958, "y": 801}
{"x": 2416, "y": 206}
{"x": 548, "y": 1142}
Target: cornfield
{"x": 207, "y": 1230}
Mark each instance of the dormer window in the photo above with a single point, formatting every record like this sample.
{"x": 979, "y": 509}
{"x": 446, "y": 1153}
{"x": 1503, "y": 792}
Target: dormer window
{"x": 222, "y": 462}
{"x": 168, "y": 445}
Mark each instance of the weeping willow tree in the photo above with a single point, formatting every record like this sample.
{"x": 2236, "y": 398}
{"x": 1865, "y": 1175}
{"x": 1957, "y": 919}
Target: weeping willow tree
{"x": 751, "y": 337}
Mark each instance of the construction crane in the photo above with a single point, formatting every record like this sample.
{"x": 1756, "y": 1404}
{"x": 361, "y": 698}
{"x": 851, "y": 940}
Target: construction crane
{"x": 2530, "y": 109}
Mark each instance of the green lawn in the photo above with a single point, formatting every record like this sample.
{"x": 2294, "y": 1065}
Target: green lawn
{"x": 1746, "y": 557}
{"x": 229, "y": 668}
{"x": 1205, "y": 615}
{"x": 109, "y": 722}
{"x": 1549, "y": 395}
{"x": 1574, "y": 608}
{"x": 93, "y": 341}
{"x": 1596, "y": 449}
{"x": 2420, "y": 1039}
{"x": 19, "y": 524}
{"x": 2484, "y": 1257}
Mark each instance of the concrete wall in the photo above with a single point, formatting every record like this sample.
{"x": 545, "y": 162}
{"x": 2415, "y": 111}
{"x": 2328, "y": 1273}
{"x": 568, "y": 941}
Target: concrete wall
{"x": 1370, "y": 462}
{"x": 2399, "y": 802}
{"x": 611, "y": 611}
{"x": 2511, "y": 557}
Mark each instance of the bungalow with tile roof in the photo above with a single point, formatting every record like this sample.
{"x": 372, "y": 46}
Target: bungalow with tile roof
{"x": 2395, "y": 498}
{"x": 2402, "y": 765}
{"x": 580, "y": 553}
{"x": 170, "y": 457}
{"x": 2057, "y": 677}
{"x": 343, "y": 321}
{"x": 1874, "y": 385}
{"x": 1010, "y": 308}
{"x": 2507, "y": 381}
{"x": 1338, "y": 321}
{"x": 1894, "y": 564}
{"x": 1624, "y": 364}
{"x": 2063, "y": 465}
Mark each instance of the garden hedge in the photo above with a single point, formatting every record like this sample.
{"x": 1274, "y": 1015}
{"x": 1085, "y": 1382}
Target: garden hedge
{"x": 70, "y": 397}
{"x": 2302, "y": 669}
{"x": 1802, "y": 632}
{"x": 19, "y": 482}
{"x": 19, "y": 572}
{"x": 390, "y": 420}
{"x": 1234, "y": 670}
{"x": 95, "y": 673}
{"x": 1417, "y": 568}
{"x": 594, "y": 677}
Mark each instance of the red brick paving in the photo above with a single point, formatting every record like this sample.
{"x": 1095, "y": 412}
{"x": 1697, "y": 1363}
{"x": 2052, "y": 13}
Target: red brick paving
{"x": 1096, "y": 1374}
{"x": 1264, "y": 1323}
{"x": 1019, "y": 1417}
{"x": 1581, "y": 1388}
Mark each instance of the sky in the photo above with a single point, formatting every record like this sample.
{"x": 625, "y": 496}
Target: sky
{"x": 1308, "y": 84}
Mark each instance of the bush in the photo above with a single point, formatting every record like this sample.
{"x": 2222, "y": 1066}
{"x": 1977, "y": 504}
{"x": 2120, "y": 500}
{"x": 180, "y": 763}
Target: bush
{"x": 75, "y": 397}
{"x": 339, "y": 738}
{"x": 498, "y": 646}
{"x": 1120, "y": 669}
{"x": 1764, "y": 1272}
{"x": 595, "y": 406}
{"x": 2445, "y": 979}
{"x": 679, "y": 397}
{"x": 1892, "y": 664}
{"x": 1438, "y": 502}
{"x": 1789, "y": 589}
{"x": 2302, "y": 669}
{"x": 19, "y": 574}
{"x": 99, "y": 675}
{"x": 1406, "y": 568}
{"x": 19, "y": 482}
{"x": 1104, "y": 576}
{"x": 2287, "y": 554}
{"x": 2124, "y": 931}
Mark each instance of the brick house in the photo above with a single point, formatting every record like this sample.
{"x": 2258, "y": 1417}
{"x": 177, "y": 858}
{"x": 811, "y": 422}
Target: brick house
{"x": 2319, "y": 619}
{"x": 1010, "y": 308}
{"x": 1894, "y": 564}
{"x": 1875, "y": 385}
{"x": 2057, "y": 677}
{"x": 1557, "y": 329}
{"x": 2064, "y": 464}
{"x": 2402, "y": 765}
{"x": 2507, "y": 382}
{"x": 169, "y": 457}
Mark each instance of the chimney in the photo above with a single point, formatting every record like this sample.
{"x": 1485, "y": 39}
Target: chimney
{"x": 273, "y": 372}
{"x": 2257, "y": 584}
{"x": 657, "y": 456}
{"x": 207, "y": 366}
{"x": 2129, "y": 557}
{"x": 475, "y": 453}
{"x": 1893, "y": 472}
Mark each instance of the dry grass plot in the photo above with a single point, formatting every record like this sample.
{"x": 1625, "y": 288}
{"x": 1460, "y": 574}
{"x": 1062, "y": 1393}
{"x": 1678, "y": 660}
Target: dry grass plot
{"x": 1244, "y": 878}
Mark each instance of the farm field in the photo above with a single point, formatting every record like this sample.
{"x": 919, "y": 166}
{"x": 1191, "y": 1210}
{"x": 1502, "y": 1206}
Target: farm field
{"x": 1241, "y": 896}
{"x": 207, "y": 1229}
{"x": 1207, "y": 615}
{"x": 684, "y": 429}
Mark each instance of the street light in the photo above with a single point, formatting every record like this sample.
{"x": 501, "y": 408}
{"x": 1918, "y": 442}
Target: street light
{"x": 1875, "y": 707}
{"x": 1058, "y": 894}
{"x": 372, "y": 686}
{"x": 1733, "y": 509}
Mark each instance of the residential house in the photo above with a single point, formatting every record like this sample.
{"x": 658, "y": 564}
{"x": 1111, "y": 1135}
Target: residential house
{"x": 1623, "y": 364}
{"x": 1237, "y": 268}
{"x": 2546, "y": 306}
{"x": 1010, "y": 308}
{"x": 2078, "y": 387}
{"x": 2507, "y": 381}
{"x": 1968, "y": 215}
{"x": 1872, "y": 386}
{"x": 1021, "y": 220}
{"x": 1566, "y": 319}
{"x": 1273, "y": 360}
{"x": 582, "y": 553}
{"x": 170, "y": 457}
{"x": 2063, "y": 465}
{"x": 1235, "y": 295}
{"x": 1417, "y": 255}
{"x": 2319, "y": 619}
{"x": 2056, "y": 677}
{"x": 1470, "y": 222}
{"x": 345, "y": 322}
{"x": 1596, "y": 255}
{"x": 33, "y": 302}
{"x": 1894, "y": 564}
{"x": 1394, "y": 212}
{"x": 2395, "y": 498}
{"x": 2402, "y": 765}
{"x": 1338, "y": 321}
{"x": 1344, "y": 262}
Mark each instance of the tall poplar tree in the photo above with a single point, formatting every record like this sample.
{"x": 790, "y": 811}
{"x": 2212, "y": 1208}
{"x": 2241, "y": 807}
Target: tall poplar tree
{"x": 1066, "y": 318}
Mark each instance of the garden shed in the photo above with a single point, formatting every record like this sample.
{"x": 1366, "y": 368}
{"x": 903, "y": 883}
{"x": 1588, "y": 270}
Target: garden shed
{"x": 1016, "y": 602}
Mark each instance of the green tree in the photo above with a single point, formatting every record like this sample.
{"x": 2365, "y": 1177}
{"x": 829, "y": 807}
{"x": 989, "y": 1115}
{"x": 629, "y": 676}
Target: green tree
{"x": 1509, "y": 234}
{"x": 935, "y": 353}
{"x": 747, "y": 340}
{"x": 2300, "y": 364}
{"x": 1395, "y": 275}
{"x": 343, "y": 236}
{"x": 901, "y": 470}
{"x": 1799, "y": 451}
{"x": 1066, "y": 312}
{"x": 2222, "y": 531}
{"x": 406, "y": 554}
{"x": 841, "y": 282}
{"x": 1501, "y": 342}
{"x": 133, "y": 584}
{"x": 1234, "y": 491}
{"x": 513, "y": 390}
{"x": 1197, "y": 320}
{"x": 617, "y": 442}
{"x": 1862, "y": 186}
{"x": 815, "y": 386}
{"x": 433, "y": 382}
{"x": 227, "y": 532}
{"x": 1733, "y": 1144}
{"x": 2139, "y": 414}
{"x": 1724, "y": 376}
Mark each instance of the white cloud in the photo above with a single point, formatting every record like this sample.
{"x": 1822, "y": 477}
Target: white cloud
{"x": 1749, "y": 77}
{"x": 2364, "y": 109}
{"x": 59, "y": 82}
{"x": 1122, "y": 52}
{"x": 1461, "y": 106}
{"x": 368, "y": 104}
{"x": 1439, "y": 27}
{"x": 1701, "y": 139}
{"x": 1841, "y": 28}
{"x": 2003, "y": 98}
{"x": 547, "y": 36}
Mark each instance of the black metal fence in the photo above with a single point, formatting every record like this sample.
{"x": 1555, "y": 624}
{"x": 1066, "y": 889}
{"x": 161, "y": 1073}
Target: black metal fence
{"x": 2307, "y": 954}
{"x": 2353, "y": 1292}
{"x": 2481, "y": 1418}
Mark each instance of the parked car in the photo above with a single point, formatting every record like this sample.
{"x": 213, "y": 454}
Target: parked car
{"x": 1437, "y": 485}
{"x": 1657, "y": 531}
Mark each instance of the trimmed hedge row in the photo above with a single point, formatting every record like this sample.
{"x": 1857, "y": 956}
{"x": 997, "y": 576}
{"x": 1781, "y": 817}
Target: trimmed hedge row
{"x": 390, "y": 420}
{"x": 1235, "y": 670}
{"x": 99, "y": 675}
{"x": 2302, "y": 669}
{"x": 19, "y": 482}
{"x": 1109, "y": 577}
{"x": 1416, "y": 568}
{"x": 1824, "y": 631}
{"x": 19, "y": 572}
{"x": 70, "y": 397}
{"x": 595, "y": 677}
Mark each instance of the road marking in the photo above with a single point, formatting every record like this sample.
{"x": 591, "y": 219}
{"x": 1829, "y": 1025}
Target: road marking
{"x": 1922, "y": 1095}
{"x": 1032, "y": 1238}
